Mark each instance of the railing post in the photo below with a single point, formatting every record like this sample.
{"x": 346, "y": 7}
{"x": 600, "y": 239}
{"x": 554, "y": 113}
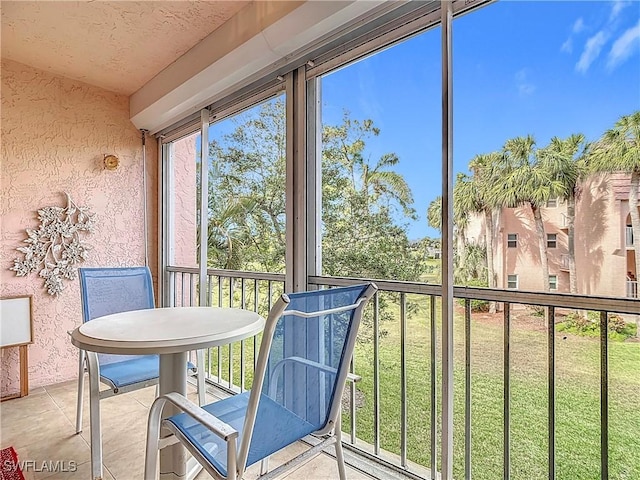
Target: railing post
{"x": 604, "y": 397}
{"x": 551, "y": 359}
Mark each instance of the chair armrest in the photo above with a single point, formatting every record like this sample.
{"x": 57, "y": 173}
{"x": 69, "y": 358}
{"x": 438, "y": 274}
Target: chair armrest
{"x": 223, "y": 430}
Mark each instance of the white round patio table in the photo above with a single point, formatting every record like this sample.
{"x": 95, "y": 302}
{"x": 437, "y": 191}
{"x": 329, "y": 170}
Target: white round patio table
{"x": 171, "y": 333}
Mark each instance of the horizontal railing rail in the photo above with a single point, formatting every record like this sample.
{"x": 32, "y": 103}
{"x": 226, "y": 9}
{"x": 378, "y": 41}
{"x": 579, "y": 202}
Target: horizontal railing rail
{"x": 544, "y": 299}
{"x": 231, "y": 368}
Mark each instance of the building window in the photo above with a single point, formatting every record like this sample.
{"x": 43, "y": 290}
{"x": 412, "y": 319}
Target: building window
{"x": 553, "y": 282}
{"x": 552, "y": 240}
{"x": 552, "y": 203}
{"x": 512, "y": 281}
{"x": 512, "y": 240}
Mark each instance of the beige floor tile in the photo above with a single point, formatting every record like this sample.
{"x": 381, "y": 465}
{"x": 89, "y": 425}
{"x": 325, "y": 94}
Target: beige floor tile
{"x": 64, "y": 451}
{"x": 145, "y": 396}
{"x": 70, "y": 385}
{"x": 83, "y": 472}
{"x": 30, "y": 406}
{"x": 120, "y": 431}
{"x": 323, "y": 467}
{"x": 110, "y": 408}
{"x": 126, "y": 463}
{"x": 46, "y": 427}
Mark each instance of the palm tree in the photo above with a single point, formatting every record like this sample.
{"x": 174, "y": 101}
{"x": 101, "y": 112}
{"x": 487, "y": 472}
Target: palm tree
{"x": 523, "y": 182}
{"x": 378, "y": 182}
{"x": 472, "y": 195}
{"x": 619, "y": 151}
{"x": 228, "y": 229}
{"x": 565, "y": 162}
{"x": 434, "y": 210}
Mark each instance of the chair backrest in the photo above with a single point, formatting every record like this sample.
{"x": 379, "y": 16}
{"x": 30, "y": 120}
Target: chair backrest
{"x": 305, "y": 353}
{"x": 105, "y": 291}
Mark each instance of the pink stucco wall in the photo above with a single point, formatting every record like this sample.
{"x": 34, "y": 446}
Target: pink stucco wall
{"x": 602, "y": 259}
{"x": 183, "y": 199}
{"x": 55, "y": 133}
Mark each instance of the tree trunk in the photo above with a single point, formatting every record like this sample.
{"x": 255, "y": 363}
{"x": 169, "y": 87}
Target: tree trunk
{"x": 635, "y": 225}
{"x": 542, "y": 245}
{"x": 635, "y": 216}
{"x": 571, "y": 219}
{"x": 488, "y": 241}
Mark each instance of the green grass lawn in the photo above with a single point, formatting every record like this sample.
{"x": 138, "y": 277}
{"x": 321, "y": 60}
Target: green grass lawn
{"x": 577, "y": 400}
{"x": 577, "y": 396}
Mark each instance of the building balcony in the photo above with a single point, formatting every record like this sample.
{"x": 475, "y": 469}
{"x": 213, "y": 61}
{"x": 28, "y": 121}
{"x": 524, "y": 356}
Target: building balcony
{"x": 632, "y": 289}
{"x": 628, "y": 237}
{"x": 512, "y": 372}
{"x": 564, "y": 221}
{"x": 564, "y": 262}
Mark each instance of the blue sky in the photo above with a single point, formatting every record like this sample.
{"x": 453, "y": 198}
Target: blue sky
{"x": 545, "y": 68}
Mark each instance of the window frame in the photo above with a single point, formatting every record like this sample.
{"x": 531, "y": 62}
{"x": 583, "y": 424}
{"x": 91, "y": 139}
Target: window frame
{"x": 552, "y": 202}
{"x": 555, "y": 282}
{"x": 516, "y": 281}
{"x": 552, "y": 243}
{"x": 514, "y": 240}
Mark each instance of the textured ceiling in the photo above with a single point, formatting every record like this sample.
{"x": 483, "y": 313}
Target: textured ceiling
{"x": 116, "y": 45}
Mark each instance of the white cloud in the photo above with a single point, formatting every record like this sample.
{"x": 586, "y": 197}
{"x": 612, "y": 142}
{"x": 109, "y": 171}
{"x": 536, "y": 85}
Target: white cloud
{"x": 591, "y": 51}
{"x": 525, "y": 87}
{"x": 567, "y": 46}
{"x": 624, "y": 46}
{"x": 578, "y": 26}
{"x": 617, "y": 7}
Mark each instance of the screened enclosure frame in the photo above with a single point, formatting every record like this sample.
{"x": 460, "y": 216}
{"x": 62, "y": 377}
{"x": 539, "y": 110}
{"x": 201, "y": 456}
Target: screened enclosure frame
{"x": 300, "y": 80}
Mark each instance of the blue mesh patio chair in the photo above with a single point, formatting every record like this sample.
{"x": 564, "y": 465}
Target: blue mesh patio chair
{"x": 302, "y": 366}
{"x": 105, "y": 291}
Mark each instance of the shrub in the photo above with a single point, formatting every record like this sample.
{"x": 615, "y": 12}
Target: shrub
{"x": 476, "y": 305}
{"x": 589, "y": 326}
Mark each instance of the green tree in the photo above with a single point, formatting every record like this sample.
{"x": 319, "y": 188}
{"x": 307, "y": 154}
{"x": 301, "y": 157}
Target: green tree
{"x": 364, "y": 201}
{"x": 619, "y": 151}
{"x": 362, "y": 198}
{"x": 565, "y": 162}
{"x": 247, "y": 169}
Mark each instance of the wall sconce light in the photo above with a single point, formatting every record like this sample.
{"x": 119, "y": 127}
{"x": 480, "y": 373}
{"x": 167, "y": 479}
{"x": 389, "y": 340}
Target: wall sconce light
{"x": 111, "y": 162}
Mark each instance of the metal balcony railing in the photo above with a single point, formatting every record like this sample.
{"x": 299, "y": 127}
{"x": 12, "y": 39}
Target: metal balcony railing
{"x": 231, "y": 368}
{"x": 632, "y": 289}
{"x": 629, "y": 236}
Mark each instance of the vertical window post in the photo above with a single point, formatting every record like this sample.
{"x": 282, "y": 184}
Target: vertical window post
{"x": 204, "y": 204}
{"x": 446, "y": 17}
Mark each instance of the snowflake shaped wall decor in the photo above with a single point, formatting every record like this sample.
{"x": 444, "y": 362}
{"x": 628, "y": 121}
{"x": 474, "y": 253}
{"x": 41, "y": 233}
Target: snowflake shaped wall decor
{"x": 54, "y": 248}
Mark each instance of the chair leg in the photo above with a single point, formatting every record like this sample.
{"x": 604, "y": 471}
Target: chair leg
{"x": 339, "y": 454}
{"x": 264, "y": 466}
{"x": 94, "y": 415}
{"x": 202, "y": 400}
{"x": 80, "y": 392}
{"x": 153, "y": 440}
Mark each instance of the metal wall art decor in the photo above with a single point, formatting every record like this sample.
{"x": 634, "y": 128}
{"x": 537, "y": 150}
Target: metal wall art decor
{"x": 54, "y": 248}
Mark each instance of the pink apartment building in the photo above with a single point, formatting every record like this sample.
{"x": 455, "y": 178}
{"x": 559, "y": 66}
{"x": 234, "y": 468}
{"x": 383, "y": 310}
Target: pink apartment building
{"x": 605, "y": 258}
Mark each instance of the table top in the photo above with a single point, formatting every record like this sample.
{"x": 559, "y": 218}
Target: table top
{"x": 166, "y": 330}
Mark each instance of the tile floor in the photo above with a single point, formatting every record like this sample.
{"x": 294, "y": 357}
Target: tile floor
{"x": 41, "y": 427}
